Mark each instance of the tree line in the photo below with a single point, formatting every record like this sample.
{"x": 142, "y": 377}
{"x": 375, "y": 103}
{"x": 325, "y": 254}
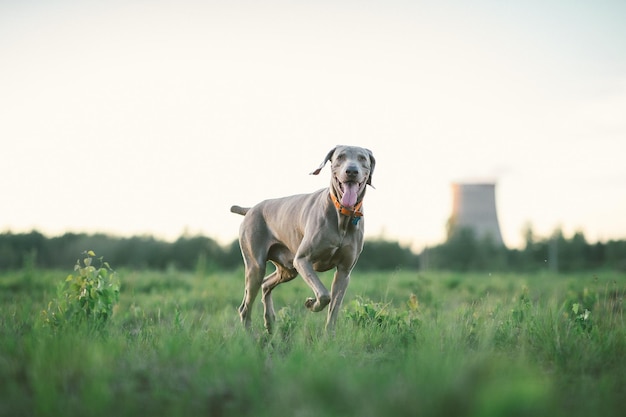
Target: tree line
{"x": 34, "y": 249}
{"x": 461, "y": 252}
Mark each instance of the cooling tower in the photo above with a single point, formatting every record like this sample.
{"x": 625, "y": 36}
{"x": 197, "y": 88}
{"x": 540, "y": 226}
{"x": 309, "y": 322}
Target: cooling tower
{"x": 474, "y": 207}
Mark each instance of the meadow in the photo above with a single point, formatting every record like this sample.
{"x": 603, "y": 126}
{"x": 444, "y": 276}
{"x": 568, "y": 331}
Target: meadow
{"x": 407, "y": 343}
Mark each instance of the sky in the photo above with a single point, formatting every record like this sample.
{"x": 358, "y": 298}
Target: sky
{"x": 154, "y": 117}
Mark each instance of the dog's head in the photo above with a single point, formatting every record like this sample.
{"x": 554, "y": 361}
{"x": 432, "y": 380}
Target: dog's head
{"x": 352, "y": 169}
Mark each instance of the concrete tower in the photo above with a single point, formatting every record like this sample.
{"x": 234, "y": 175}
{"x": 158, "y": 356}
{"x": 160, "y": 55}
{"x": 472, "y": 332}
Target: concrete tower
{"x": 474, "y": 207}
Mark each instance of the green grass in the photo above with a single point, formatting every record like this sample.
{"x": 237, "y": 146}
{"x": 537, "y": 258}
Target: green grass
{"x": 462, "y": 345}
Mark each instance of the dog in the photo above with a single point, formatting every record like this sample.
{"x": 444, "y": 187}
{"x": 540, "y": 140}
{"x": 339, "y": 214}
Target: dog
{"x": 307, "y": 233}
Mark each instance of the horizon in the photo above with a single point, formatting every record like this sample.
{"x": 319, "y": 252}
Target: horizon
{"x": 186, "y": 234}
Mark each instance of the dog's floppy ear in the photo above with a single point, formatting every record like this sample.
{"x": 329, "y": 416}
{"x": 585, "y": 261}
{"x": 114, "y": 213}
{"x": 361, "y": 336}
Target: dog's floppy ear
{"x": 372, "y": 165}
{"x": 328, "y": 158}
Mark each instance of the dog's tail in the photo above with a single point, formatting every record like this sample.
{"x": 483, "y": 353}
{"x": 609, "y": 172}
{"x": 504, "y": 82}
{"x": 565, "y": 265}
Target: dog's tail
{"x": 239, "y": 210}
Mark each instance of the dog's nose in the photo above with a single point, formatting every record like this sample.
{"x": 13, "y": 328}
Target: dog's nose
{"x": 352, "y": 171}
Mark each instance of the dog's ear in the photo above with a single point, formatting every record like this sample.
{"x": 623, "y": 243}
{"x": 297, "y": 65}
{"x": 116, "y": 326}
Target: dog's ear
{"x": 372, "y": 165}
{"x": 328, "y": 158}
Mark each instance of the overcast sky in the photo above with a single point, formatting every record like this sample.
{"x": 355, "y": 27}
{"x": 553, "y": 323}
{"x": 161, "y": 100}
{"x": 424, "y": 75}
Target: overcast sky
{"x": 154, "y": 117}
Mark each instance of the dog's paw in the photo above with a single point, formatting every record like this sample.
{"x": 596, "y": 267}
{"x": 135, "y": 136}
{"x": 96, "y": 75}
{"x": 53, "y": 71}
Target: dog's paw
{"x": 316, "y": 305}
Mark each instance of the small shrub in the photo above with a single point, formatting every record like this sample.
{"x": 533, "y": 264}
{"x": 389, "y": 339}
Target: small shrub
{"x": 582, "y": 317}
{"x": 88, "y": 296}
{"x": 521, "y": 310}
{"x": 365, "y": 313}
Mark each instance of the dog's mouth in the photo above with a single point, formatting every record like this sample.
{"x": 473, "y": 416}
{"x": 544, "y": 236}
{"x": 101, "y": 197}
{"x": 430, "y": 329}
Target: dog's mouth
{"x": 349, "y": 192}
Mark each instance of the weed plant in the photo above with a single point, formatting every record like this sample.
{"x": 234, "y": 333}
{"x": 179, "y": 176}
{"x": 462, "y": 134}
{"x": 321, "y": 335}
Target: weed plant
{"x": 406, "y": 344}
{"x": 86, "y": 297}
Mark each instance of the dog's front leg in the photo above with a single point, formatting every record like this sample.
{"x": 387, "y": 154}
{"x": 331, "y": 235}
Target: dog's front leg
{"x": 322, "y": 298}
{"x": 337, "y": 292}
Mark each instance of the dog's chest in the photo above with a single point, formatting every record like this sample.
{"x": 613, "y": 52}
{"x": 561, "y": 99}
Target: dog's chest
{"x": 333, "y": 255}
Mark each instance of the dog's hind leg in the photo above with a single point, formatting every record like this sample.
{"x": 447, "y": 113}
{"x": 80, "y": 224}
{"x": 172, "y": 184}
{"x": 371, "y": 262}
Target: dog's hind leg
{"x": 255, "y": 271}
{"x": 277, "y": 277}
{"x": 269, "y": 316}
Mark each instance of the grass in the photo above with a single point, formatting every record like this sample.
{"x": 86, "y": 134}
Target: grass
{"x": 407, "y": 344}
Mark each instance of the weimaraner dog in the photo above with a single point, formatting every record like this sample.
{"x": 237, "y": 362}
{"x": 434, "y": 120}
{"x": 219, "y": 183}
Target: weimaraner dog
{"x": 306, "y": 233}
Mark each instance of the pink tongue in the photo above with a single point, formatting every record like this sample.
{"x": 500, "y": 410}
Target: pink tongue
{"x": 349, "y": 194}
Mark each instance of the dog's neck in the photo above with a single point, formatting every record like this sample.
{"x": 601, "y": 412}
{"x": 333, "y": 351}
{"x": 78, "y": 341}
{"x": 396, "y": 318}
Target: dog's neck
{"x": 352, "y": 212}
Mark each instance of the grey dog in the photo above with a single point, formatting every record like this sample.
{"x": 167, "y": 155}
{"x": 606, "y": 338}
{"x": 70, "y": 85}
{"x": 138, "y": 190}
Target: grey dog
{"x": 307, "y": 233}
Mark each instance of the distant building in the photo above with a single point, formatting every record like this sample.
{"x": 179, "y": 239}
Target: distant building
{"x": 474, "y": 207}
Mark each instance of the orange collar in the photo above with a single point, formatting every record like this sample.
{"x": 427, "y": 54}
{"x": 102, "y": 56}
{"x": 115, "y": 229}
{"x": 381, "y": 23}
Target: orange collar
{"x": 354, "y": 212}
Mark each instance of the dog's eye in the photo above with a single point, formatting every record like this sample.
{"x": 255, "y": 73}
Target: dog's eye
{"x": 341, "y": 157}
{"x": 362, "y": 158}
